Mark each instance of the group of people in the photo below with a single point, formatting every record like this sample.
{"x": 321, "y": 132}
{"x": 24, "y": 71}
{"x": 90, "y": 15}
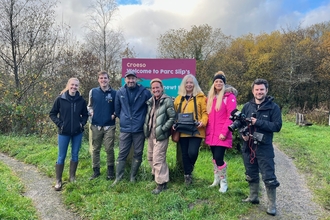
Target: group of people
{"x": 152, "y": 115}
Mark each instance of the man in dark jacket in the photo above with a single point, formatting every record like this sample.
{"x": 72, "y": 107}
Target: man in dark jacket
{"x": 101, "y": 107}
{"x": 258, "y": 153}
{"x": 131, "y": 108}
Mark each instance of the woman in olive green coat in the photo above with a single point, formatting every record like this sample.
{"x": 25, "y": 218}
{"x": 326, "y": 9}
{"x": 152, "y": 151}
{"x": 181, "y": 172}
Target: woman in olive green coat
{"x": 157, "y": 127}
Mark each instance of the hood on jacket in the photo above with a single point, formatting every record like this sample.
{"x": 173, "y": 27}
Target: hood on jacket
{"x": 231, "y": 89}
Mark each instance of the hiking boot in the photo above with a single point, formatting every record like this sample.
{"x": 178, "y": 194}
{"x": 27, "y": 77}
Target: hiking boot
{"x": 188, "y": 179}
{"x": 159, "y": 188}
{"x": 96, "y": 173}
{"x": 111, "y": 173}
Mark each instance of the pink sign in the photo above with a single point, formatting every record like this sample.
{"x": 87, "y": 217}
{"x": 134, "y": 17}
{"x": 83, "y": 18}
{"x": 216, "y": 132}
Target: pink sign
{"x": 170, "y": 71}
{"x": 159, "y": 68}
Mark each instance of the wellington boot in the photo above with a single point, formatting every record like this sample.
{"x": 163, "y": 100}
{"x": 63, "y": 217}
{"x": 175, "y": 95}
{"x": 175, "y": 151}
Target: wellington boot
{"x": 59, "y": 171}
{"x": 223, "y": 178}
{"x": 73, "y": 169}
{"x": 216, "y": 180}
{"x": 271, "y": 194}
{"x": 134, "y": 170}
{"x": 254, "y": 191}
{"x": 120, "y": 169}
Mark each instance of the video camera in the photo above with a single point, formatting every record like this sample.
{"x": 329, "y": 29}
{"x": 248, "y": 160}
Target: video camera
{"x": 242, "y": 123}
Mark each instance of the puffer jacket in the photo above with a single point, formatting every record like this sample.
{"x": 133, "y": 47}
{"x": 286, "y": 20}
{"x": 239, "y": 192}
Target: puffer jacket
{"x": 69, "y": 115}
{"x": 219, "y": 121}
{"x": 165, "y": 116}
{"x": 201, "y": 112}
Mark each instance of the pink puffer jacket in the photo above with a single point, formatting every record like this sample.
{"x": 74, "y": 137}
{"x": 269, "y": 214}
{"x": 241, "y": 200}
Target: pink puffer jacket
{"x": 219, "y": 121}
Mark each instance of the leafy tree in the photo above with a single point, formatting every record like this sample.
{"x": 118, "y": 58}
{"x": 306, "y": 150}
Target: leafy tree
{"x": 200, "y": 43}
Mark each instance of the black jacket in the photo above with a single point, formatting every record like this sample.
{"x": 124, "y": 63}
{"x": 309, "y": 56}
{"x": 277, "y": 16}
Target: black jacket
{"x": 269, "y": 120}
{"x": 69, "y": 114}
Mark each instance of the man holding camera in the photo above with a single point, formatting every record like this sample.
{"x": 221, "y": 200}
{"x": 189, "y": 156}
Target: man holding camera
{"x": 259, "y": 155}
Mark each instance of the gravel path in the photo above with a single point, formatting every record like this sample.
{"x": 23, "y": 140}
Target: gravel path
{"x": 294, "y": 199}
{"x": 47, "y": 201}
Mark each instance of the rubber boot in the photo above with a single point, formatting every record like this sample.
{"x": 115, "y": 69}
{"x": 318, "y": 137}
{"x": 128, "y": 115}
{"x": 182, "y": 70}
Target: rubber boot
{"x": 73, "y": 169}
{"x": 254, "y": 191}
{"x": 111, "y": 174}
{"x": 120, "y": 169}
{"x": 159, "y": 188}
{"x": 271, "y": 194}
{"x": 96, "y": 173}
{"x": 134, "y": 170}
{"x": 222, "y": 170}
{"x": 58, "y": 171}
{"x": 216, "y": 181}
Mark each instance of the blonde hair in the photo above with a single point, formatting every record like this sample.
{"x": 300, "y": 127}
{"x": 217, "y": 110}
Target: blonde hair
{"x": 212, "y": 93}
{"x": 182, "y": 90}
{"x": 68, "y": 85}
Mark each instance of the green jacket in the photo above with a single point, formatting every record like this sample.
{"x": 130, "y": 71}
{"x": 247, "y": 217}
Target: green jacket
{"x": 165, "y": 116}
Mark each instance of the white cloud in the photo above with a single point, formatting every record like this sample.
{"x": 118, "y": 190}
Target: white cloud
{"x": 142, "y": 24}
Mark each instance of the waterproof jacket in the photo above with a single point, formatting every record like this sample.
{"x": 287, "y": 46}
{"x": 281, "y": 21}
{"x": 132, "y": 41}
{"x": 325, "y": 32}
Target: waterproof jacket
{"x": 132, "y": 116}
{"x": 69, "y": 114}
{"x": 102, "y": 105}
{"x": 165, "y": 116}
{"x": 219, "y": 121}
{"x": 201, "y": 112}
{"x": 269, "y": 120}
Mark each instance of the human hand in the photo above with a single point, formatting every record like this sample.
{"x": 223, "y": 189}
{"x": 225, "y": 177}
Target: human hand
{"x": 245, "y": 138}
{"x": 222, "y": 137}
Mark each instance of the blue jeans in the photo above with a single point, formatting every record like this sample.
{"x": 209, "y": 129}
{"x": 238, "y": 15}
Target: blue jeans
{"x": 63, "y": 144}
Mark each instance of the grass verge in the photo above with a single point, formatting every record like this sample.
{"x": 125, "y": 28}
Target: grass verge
{"x": 13, "y": 204}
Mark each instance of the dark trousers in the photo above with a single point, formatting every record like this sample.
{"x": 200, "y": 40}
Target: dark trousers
{"x": 218, "y": 153}
{"x": 126, "y": 140}
{"x": 190, "y": 149}
{"x": 265, "y": 165}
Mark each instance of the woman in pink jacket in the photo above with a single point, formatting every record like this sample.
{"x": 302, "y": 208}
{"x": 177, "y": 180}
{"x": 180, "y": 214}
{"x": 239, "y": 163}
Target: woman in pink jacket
{"x": 221, "y": 101}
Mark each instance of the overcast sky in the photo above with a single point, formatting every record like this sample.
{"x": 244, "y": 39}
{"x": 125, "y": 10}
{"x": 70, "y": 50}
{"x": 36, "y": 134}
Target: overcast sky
{"x": 142, "y": 21}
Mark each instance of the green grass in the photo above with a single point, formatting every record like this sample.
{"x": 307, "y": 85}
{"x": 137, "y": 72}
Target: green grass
{"x": 13, "y": 204}
{"x": 309, "y": 149}
{"x": 98, "y": 200}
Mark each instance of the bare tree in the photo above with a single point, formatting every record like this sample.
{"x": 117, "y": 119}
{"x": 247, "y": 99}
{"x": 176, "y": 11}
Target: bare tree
{"x": 102, "y": 39}
{"x": 27, "y": 42}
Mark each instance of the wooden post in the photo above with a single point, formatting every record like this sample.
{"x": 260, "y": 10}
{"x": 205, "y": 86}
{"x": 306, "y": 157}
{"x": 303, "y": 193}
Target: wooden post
{"x": 90, "y": 139}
